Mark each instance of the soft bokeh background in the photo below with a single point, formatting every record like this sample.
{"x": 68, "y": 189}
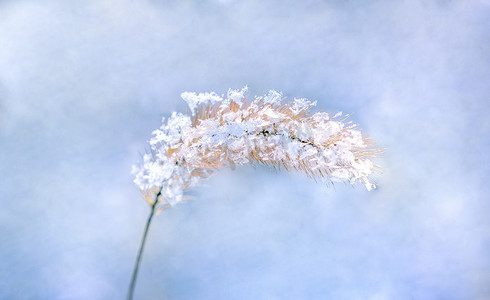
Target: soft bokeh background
{"x": 84, "y": 83}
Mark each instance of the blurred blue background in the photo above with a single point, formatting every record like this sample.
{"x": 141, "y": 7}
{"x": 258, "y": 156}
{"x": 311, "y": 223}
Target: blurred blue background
{"x": 84, "y": 83}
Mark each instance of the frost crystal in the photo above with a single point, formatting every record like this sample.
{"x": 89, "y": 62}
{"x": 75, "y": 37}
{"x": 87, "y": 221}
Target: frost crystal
{"x": 237, "y": 95}
{"x": 230, "y": 131}
{"x": 194, "y": 100}
{"x": 272, "y": 97}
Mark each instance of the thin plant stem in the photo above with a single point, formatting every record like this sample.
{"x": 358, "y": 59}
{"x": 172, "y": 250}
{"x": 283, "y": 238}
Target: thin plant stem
{"x": 142, "y": 246}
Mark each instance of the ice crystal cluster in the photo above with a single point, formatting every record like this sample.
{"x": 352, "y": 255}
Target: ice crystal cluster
{"x": 232, "y": 130}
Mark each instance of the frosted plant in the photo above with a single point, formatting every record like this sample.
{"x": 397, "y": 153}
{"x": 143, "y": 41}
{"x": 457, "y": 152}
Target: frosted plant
{"x": 229, "y": 131}
{"x": 232, "y": 130}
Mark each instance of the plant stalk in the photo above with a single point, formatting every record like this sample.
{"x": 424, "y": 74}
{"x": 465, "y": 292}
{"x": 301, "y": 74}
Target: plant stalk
{"x": 142, "y": 246}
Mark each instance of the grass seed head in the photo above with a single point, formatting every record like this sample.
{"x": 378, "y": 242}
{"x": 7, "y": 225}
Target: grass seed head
{"x": 233, "y": 130}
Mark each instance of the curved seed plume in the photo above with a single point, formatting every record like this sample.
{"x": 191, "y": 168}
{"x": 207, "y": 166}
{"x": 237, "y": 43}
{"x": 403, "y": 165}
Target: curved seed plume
{"x": 229, "y": 131}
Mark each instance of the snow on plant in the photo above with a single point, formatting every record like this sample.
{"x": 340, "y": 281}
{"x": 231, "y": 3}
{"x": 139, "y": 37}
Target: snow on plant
{"x": 229, "y": 131}
{"x": 233, "y": 130}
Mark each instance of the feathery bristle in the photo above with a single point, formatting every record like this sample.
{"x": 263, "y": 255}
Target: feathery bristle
{"x": 229, "y": 131}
